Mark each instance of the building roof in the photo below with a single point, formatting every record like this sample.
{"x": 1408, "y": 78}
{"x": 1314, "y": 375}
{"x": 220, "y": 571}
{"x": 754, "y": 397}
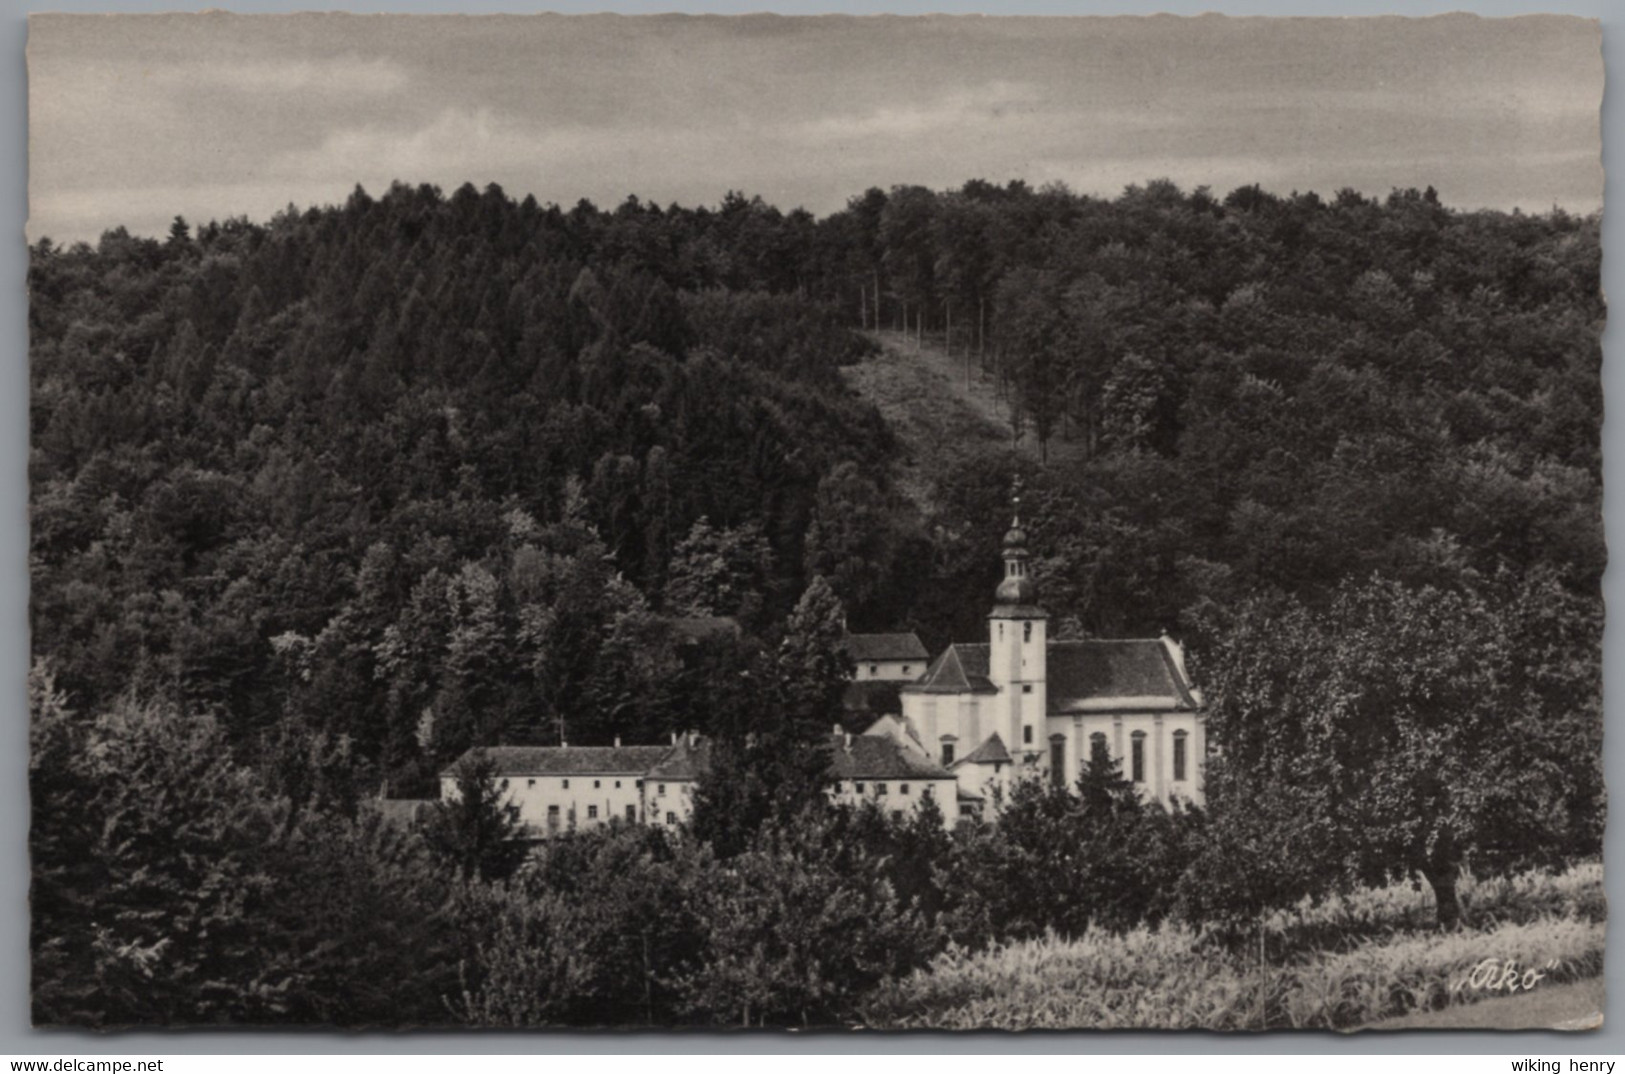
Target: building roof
{"x": 851, "y": 757}
{"x": 687, "y": 760}
{"x": 866, "y": 756}
{"x": 879, "y": 757}
{"x": 568, "y": 760}
{"x": 898, "y": 727}
{"x": 1097, "y": 675}
{"x": 960, "y": 669}
{"x": 866, "y": 647}
{"x": 1106, "y": 675}
{"x": 990, "y": 752}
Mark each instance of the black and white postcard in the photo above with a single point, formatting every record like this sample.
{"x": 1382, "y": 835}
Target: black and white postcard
{"x": 786, "y": 522}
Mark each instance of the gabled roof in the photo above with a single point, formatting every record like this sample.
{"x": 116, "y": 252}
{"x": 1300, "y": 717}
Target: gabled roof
{"x": 850, "y": 757}
{"x": 865, "y": 647}
{"x": 1115, "y": 674}
{"x": 1097, "y": 675}
{"x": 961, "y": 669}
{"x": 568, "y": 760}
{"x": 899, "y": 728}
{"x": 686, "y": 760}
{"x": 879, "y": 757}
{"x": 990, "y": 752}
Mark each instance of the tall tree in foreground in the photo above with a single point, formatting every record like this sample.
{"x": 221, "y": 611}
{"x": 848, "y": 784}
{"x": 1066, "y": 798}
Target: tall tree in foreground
{"x": 1415, "y": 731}
{"x": 769, "y": 754}
{"x": 473, "y": 831}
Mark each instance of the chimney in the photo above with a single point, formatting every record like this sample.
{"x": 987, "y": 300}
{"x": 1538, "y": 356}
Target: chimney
{"x": 693, "y": 739}
{"x": 848, "y": 744}
{"x": 617, "y": 741}
{"x": 838, "y": 730}
{"x": 674, "y": 738}
{"x": 563, "y": 745}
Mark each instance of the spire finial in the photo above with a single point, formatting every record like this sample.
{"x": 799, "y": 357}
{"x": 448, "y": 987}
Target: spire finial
{"x": 1015, "y": 500}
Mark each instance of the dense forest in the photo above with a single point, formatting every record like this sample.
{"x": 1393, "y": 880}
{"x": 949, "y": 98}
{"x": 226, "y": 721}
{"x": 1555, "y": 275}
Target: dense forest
{"x": 354, "y": 489}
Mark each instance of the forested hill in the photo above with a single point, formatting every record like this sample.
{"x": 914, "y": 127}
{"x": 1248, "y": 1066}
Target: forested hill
{"x": 422, "y": 470}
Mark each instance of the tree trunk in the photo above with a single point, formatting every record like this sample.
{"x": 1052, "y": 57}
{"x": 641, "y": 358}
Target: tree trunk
{"x": 1443, "y": 882}
{"x": 863, "y": 306}
{"x": 981, "y": 331}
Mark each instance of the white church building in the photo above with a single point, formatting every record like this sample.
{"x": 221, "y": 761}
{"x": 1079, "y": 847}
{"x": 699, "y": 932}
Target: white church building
{"x": 1022, "y": 706}
{"x": 974, "y": 720}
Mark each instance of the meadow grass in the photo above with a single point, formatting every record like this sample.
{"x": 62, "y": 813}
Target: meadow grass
{"x": 1176, "y": 977}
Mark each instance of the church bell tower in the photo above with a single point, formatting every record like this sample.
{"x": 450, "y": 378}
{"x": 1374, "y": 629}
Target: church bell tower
{"x": 1017, "y": 648}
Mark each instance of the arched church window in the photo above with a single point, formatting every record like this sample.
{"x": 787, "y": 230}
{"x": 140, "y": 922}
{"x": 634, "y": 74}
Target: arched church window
{"x": 1137, "y": 757}
{"x": 1098, "y": 755}
{"x": 1179, "y": 754}
{"x": 1057, "y": 760}
{"x": 1026, "y": 632}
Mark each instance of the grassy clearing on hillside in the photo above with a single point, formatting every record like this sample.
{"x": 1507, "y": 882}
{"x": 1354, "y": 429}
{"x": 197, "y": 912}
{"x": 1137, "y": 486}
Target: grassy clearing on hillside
{"x": 927, "y": 412}
{"x": 1371, "y": 963}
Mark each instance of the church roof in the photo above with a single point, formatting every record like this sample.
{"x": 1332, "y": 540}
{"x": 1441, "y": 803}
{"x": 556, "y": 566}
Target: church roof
{"x": 568, "y": 760}
{"x": 961, "y": 669}
{"x": 1111, "y": 674}
{"x": 866, "y": 647}
{"x": 990, "y": 752}
{"x": 1097, "y": 675}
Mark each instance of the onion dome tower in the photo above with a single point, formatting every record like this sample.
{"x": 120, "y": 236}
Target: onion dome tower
{"x": 1017, "y": 646}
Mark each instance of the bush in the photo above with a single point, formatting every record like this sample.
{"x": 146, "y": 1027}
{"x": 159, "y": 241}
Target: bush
{"x": 1174, "y": 977}
{"x": 1066, "y": 861}
{"x": 791, "y": 939}
{"x": 172, "y": 888}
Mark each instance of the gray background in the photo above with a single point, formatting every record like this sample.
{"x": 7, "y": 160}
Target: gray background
{"x": 16, "y": 1036}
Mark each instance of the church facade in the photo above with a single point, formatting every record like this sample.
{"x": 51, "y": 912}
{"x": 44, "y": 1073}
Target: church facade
{"x": 1021, "y": 706}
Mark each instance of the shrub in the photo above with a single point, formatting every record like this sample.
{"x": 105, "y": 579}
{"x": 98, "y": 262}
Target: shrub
{"x": 1168, "y": 978}
{"x": 1065, "y": 861}
{"x": 790, "y": 938}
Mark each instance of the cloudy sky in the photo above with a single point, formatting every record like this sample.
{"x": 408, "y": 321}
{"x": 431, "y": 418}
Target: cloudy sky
{"x": 134, "y": 119}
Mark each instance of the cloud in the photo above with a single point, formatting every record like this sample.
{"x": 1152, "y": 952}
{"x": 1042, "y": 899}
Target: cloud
{"x": 992, "y": 102}
{"x": 133, "y": 121}
{"x": 341, "y": 77}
